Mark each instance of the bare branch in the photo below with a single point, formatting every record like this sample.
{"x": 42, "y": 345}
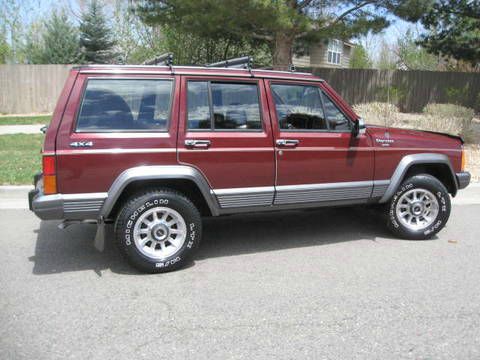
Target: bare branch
{"x": 304, "y": 4}
{"x": 349, "y": 11}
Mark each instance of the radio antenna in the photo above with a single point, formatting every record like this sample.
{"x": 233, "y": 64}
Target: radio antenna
{"x": 387, "y": 117}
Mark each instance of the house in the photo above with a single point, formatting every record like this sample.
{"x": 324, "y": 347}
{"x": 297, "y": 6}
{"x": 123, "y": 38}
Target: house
{"x": 332, "y": 53}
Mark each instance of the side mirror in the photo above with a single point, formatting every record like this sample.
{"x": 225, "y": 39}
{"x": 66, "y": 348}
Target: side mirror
{"x": 359, "y": 128}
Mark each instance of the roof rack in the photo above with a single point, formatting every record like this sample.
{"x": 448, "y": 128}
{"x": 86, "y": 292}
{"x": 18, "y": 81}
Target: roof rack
{"x": 244, "y": 62}
{"x": 164, "y": 59}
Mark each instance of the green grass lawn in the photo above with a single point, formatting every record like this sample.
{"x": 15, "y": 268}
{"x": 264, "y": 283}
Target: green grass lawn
{"x": 20, "y": 158}
{"x": 25, "y": 120}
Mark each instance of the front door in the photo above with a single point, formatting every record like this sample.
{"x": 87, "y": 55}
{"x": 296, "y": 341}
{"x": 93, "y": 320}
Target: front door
{"x": 225, "y": 132}
{"x": 318, "y": 159}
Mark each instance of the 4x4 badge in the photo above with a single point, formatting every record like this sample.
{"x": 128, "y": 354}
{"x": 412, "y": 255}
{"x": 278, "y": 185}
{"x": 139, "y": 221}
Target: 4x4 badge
{"x": 81, "y": 144}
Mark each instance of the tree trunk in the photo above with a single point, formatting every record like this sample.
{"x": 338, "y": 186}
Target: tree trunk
{"x": 282, "y": 51}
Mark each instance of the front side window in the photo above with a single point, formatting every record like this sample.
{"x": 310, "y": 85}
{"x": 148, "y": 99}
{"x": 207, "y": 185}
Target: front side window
{"x": 223, "y": 106}
{"x": 334, "y": 51}
{"x": 111, "y": 105}
{"x": 298, "y": 107}
{"x": 335, "y": 118}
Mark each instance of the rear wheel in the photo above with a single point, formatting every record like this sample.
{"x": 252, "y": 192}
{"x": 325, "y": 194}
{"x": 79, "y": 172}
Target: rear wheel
{"x": 420, "y": 208}
{"x": 158, "y": 230}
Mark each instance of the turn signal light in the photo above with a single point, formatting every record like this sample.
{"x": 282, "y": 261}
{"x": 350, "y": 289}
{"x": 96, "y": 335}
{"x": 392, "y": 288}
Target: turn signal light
{"x": 463, "y": 160}
{"x": 49, "y": 175}
{"x": 49, "y": 184}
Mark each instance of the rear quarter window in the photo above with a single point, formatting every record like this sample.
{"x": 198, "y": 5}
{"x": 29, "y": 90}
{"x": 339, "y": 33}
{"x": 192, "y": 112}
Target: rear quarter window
{"x": 110, "y": 105}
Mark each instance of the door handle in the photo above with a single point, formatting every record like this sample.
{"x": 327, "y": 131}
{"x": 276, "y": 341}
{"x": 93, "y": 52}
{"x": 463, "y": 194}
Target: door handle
{"x": 287, "y": 142}
{"x": 201, "y": 144}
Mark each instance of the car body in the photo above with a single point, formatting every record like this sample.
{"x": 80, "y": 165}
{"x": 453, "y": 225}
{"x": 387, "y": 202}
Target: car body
{"x": 229, "y": 140}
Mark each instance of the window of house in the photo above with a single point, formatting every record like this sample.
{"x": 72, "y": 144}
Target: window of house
{"x": 110, "y": 105}
{"x": 223, "y": 106}
{"x": 334, "y": 51}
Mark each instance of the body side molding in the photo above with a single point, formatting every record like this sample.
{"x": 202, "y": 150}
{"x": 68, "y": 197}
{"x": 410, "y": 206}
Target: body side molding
{"x": 415, "y": 159}
{"x": 158, "y": 172}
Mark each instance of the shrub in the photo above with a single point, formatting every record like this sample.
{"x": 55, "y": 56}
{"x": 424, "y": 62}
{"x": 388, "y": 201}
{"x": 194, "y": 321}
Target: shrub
{"x": 449, "y": 111}
{"x": 377, "y": 113}
{"x": 457, "y": 95}
{"x": 449, "y": 118}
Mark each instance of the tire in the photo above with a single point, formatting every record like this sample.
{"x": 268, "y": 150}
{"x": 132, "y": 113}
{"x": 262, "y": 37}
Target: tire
{"x": 158, "y": 230}
{"x": 411, "y": 211}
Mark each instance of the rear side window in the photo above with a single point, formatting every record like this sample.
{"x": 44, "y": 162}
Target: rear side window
{"x": 223, "y": 106}
{"x": 111, "y": 105}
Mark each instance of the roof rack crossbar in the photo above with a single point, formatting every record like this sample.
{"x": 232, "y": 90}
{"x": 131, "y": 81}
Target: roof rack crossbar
{"x": 244, "y": 62}
{"x": 164, "y": 59}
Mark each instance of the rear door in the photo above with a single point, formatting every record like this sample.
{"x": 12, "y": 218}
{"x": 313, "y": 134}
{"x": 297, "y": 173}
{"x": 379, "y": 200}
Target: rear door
{"x": 225, "y": 132}
{"x": 318, "y": 158}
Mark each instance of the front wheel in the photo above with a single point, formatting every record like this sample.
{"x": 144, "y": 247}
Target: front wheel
{"x": 420, "y": 208}
{"x": 158, "y": 230}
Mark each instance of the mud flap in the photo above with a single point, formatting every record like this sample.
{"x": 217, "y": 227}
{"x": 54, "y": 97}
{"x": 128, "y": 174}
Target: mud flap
{"x": 99, "y": 242}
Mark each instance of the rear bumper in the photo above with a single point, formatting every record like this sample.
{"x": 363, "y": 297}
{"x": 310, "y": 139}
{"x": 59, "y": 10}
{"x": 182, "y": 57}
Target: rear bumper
{"x": 64, "y": 206}
{"x": 463, "y": 179}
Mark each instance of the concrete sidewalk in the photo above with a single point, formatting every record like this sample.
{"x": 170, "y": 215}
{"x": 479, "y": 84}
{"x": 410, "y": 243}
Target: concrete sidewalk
{"x": 16, "y": 197}
{"x": 21, "y": 129}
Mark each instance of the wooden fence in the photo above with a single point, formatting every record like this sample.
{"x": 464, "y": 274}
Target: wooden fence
{"x": 28, "y": 89}
{"x": 411, "y": 90}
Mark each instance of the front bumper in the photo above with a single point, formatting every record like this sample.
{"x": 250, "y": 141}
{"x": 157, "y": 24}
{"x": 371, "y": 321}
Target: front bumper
{"x": 463, "y": 179}
{"x": 64, "y": 206}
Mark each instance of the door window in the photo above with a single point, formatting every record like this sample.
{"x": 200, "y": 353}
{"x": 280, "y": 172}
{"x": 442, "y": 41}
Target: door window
{"x": 198, "y": 105}
{"x": 337, "y": 121}
{"x": 223, "y": 106}
{"x": 306, "y": 107}
{"x": 298, "y": 107}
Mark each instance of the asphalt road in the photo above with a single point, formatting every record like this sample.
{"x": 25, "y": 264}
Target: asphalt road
{"x": 323, "y": 284}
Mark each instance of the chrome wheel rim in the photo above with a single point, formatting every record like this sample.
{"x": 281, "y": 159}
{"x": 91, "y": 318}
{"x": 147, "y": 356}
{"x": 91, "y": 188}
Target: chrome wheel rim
{"x": 417, "y": 209}
{"x": 160, "y": 233}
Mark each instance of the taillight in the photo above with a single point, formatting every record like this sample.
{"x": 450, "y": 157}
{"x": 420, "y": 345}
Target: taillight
{"x": 49, "y": 175}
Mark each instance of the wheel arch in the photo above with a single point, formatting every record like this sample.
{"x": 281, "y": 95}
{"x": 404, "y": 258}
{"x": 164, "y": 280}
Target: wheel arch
{"x": 184, "y": 179}
{"x": 437, "y": 165}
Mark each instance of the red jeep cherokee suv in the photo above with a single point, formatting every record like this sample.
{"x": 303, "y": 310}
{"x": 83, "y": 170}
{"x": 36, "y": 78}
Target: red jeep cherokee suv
{"x": 155, "y": 148}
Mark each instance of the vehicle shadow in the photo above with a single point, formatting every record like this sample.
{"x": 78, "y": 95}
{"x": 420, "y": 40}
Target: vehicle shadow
{"x": 72, "y": 249}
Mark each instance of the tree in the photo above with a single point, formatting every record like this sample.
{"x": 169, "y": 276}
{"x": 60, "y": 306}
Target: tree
{"x": 33, "y": 48}
{"x": 359, "y": 58}
{"x": 60, "y": 41}
{"x": 52, "y": 41}
{"x": 386, "y": 57}
{"x": 277, "y": 23}
{"x": 411, "y": 56}
{"x": 454, "y": 29}
{"x": 95, "y": 36}
{"x": 4, "y": 47}
{"x": 11, "y": 16}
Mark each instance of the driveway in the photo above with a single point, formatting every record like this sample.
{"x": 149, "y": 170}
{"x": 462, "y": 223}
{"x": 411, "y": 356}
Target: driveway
{"x": 329, "y": 283}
